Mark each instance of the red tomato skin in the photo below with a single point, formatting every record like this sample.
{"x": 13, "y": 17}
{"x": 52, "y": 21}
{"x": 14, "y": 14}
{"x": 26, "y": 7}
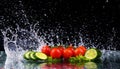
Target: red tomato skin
{"x": 79, "y": 51}
{"x": 72, "y": 49}
{"x": 67, "y": 53}
{"x": 73, "y": 52}
{"x": 83, "y": 47}
{"x": 55, "y": 53}
{"x": 61, "y": 48}
{"x": 46, "y": 50}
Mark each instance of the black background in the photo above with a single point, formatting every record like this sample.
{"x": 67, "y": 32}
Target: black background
{"x": 97, "y": 17}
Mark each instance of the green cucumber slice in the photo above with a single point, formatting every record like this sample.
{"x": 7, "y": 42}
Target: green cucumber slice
{"x": 26, "y": 55}
{"x": 92, "y": 54}
{"x": 40, "y": 55}
{"x": 31, "y": 55}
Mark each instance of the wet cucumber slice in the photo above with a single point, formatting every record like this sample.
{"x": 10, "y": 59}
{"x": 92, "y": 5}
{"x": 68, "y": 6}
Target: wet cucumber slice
{"x": 27, "y": 55}
{"x": 92, "y": 54}
{"x": 40, "y": 55}
{"x": 31, "y": 55}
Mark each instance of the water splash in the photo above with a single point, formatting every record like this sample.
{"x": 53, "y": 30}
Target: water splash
{"x": 24, "y": 36}
{"x": 16, "y": 43}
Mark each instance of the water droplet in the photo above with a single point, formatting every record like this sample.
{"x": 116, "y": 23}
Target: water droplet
{"x": 103, "y": 6}
{"x": 107, "y": 1}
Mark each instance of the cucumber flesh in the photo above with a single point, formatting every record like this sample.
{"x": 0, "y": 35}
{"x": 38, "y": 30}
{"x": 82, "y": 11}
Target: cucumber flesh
{"x": 40, "y": 55}
{"x": 26, "y": 55}
{"x": 31, "y": 55}
{"x": 92, "y": 54}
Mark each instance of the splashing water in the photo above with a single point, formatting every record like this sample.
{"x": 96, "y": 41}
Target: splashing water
{"x": 26, "y": 36}
{"x": 33, "y": 36}
{"x": 15, "y": 44}
{"x": 21, "y": 40}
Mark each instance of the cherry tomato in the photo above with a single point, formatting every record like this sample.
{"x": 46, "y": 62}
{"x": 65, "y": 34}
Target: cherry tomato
{"x": 73, "y": 52}
{"x": 83, "y": 47}
{"x": 72, "y": 49}
{"x": 79, "y": 51}
{"x": 61, "y": 48}
{"x": 46, "y": 50}
{"x": 67, "y": 53}
{"x": 55, "y": 53}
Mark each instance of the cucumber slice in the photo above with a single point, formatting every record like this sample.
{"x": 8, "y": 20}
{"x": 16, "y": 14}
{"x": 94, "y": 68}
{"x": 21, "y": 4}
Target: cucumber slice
{"x": 40, "y": 55}
{"x": 92, "y": 54}
{"x": 26, "y": 55}
{"x": 31, "y": 55}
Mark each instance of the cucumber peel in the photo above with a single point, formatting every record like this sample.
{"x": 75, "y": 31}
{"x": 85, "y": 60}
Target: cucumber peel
{"x": 26, "y": 55}
{"x": 32, "y": 55}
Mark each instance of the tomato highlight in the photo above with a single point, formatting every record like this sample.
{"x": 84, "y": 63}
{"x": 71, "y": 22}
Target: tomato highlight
{"x": 55, "y": 53}
{"x": 67, "y": 53}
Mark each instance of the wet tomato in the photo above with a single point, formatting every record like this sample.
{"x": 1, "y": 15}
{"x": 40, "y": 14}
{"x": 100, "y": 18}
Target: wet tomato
{"x": 46, "y": 50}
{"x": 55, "y": 53}
{"x": 61, "y": 48}
{"x": 79, "y": 51}
{"x": 83, "y": 48}
{"x": 67, "y": 53}
{"x": 72, "y": 49}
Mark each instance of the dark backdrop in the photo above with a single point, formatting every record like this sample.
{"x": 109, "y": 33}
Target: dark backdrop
{"x": 95, "y": 16}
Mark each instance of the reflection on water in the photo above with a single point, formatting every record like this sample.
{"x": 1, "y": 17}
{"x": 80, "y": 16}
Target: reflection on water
{"x": 87, "y": 65}
{"x": 2, "y": 59}
{"x": 32, "y": 65}
{"x": 91, "y": 65}
{"x": 109, "y": 60}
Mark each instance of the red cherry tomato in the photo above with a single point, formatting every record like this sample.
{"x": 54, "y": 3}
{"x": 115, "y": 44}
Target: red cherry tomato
{"x": 46, "y": 50}
{"x": 67, "y": 53}
{"x": 79, "y": 51}
{"x": 72, "y": 49}
{"x": 61, "y": 48}
{"x": 55, "y": 53}
{"x": 83, "y": 47}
